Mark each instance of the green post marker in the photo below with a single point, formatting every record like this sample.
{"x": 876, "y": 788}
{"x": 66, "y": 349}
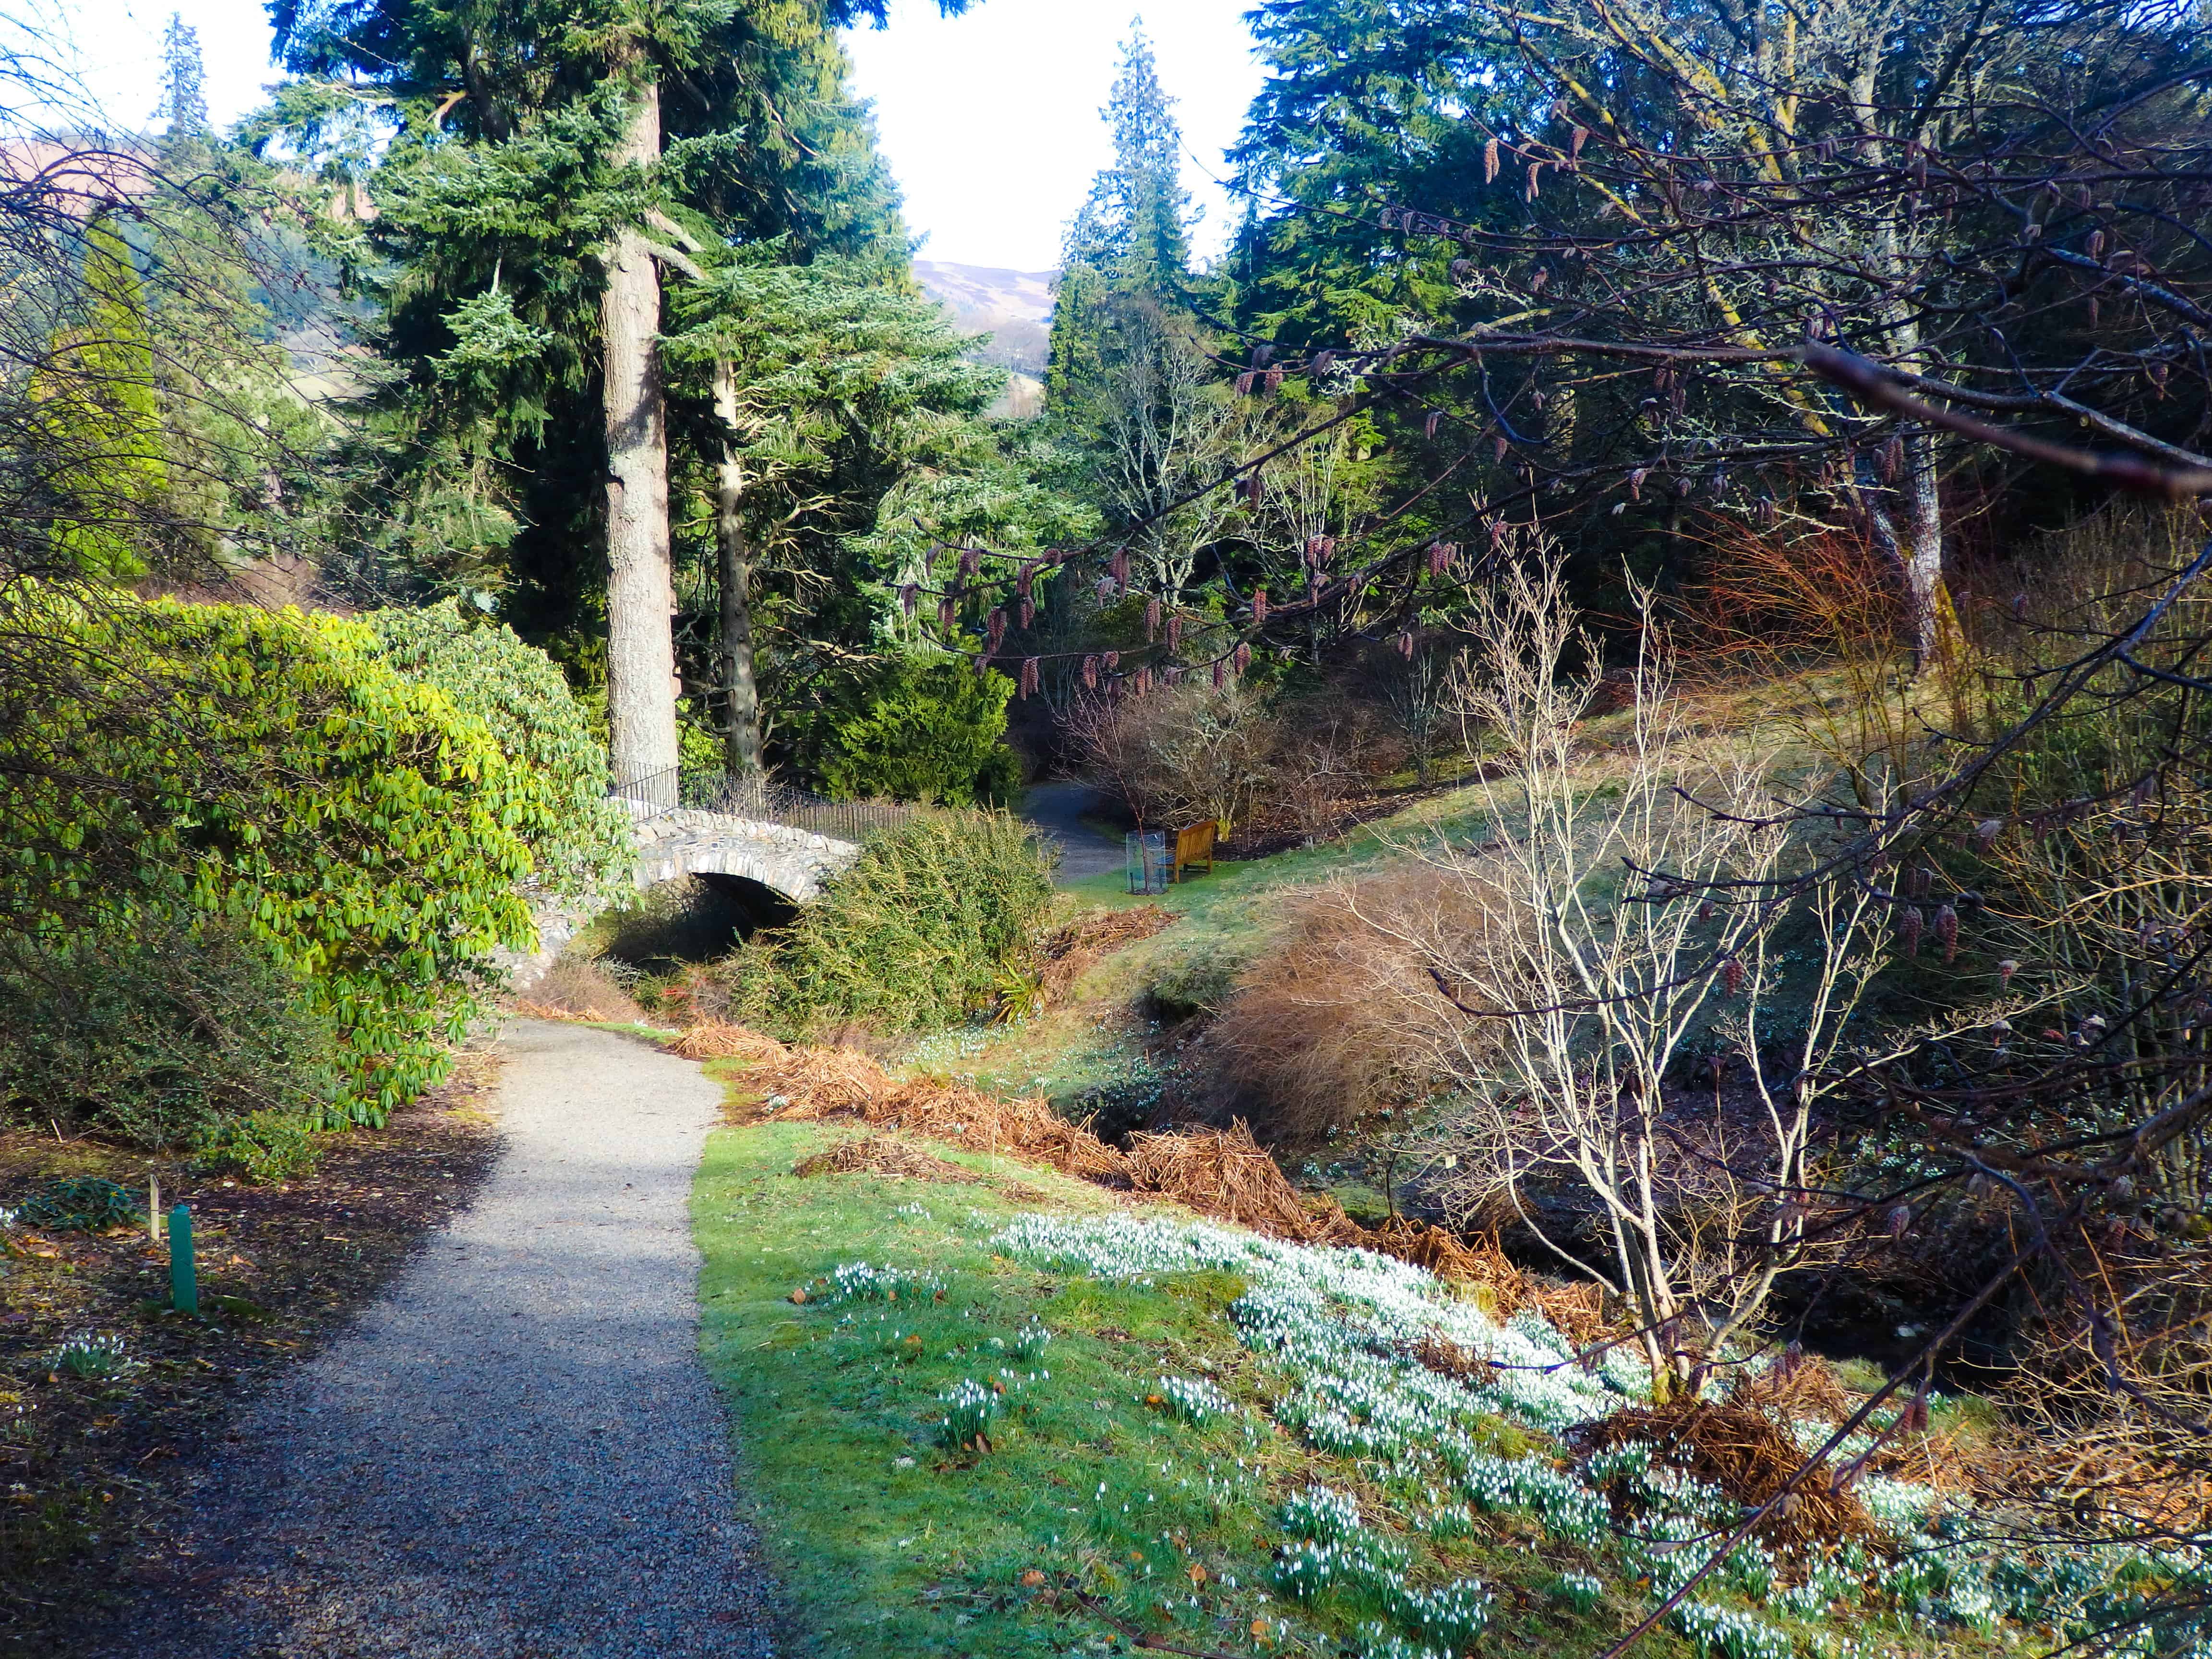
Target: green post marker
{"x": 184, "y": 1276}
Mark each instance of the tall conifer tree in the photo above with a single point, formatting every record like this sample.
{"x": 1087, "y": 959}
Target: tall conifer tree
{"x": 1131, "y": 237}
{"x": 184, "y": 80}
{"x": 554, "y": 158}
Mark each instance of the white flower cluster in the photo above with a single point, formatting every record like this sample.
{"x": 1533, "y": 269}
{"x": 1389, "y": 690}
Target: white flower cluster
{"x": 1731, "y": 1634}
{"x": 1029, "y": 1342}
{"x": 1340, "y": 1326}
{"x": 970, "y": 1407}
{"x": 1376, "y": 1642}
{"x": 1824, "y": 1585}
{"x": 1568, "y": 1509}
{"x": 1898, "y": 1505}
{"x": 1448, "y": 1520}
{"x": 1633, "y": 1466}
{"x": 93, "y": 1353}
{"x": 917, "y": 1211}
{"x": 1751, "y": 1568}
{"x": 1322, "y": 1512}
{"x": 1330, "y": 1310}
{"x": 7, "y": 1217}
{"x": 1579, "y": 1590}
{"x": 1452, "y": 1614}
{"x": 860, "y": 1281}
{"x": 1194, "y": 1400}
{"x": 1360, "y": 1563}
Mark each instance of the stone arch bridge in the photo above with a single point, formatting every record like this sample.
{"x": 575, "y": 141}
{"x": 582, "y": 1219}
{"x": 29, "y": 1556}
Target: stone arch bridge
{"x": 789, "y": 861}
{"x": 774, "y": 867}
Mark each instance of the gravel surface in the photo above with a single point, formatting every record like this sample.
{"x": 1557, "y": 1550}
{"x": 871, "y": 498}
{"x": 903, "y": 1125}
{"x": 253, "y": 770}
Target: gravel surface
{"x": 517, "y": 1452}
{"x": 1057, "y": 809}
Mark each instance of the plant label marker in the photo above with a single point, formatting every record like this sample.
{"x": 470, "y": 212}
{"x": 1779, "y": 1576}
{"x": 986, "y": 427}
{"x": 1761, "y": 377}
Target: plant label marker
{"x": 153, "y": 1210}
{"x": 184, "y": 1276}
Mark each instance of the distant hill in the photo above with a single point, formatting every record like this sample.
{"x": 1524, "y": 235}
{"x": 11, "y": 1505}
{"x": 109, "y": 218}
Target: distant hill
{"x": 1013, "y": 307}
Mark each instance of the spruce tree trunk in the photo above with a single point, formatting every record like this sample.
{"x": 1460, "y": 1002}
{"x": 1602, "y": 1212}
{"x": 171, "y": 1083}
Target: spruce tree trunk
{"x": 641, "y": 685}
{"x": 743, "y": 733}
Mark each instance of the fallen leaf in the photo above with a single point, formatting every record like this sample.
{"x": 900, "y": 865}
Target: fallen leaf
{"x": 800, "y": 1295}
{"x": 1197, "y": 1573}
{"x": 1033, "y": 1578}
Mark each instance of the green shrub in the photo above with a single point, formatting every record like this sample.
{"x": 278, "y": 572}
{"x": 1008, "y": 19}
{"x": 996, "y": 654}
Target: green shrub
{"x": 264, "y": 1146}
{"x": 266, "y": 773}
{"x": 158, "y": 1036}
{"x": 84, "y": 1204}
{"x": 917, "y": 934}
{"x": 525, "y": 701}
{"x": 919, "y": 728}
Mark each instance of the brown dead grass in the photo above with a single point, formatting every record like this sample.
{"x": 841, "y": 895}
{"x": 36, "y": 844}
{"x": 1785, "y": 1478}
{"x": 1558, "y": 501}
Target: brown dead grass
{"x": 575, "y": 988}
{"x": 1341, "y": 1016}
{"x": 1227, "y": 1175}
{"x": 1747, "y": 1454}
{"x": 1803, "y": 1388}
{"x": 1223, "y": 1174}
{"x": 1449, "y": 1358}
{"x": 1072, "y": 951}
{"x": 882, "y": 1155}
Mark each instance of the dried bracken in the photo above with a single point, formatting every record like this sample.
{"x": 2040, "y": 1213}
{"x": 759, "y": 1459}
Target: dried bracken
{"x": 1747, "y": 1454}
{"x": 1071, "y": 952}
{"x": 882, "y": 1155}
{"x": 1224, "y": 1175}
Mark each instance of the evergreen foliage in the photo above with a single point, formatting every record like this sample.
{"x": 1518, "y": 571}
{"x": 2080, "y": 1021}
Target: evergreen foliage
{"x": 490, "y": 675}
{"x": 1130, "y": 241}
{"x": 916, "y": 934}
{"x": 264, "y": 774}
{"x": 495, "y": 190}
{"x": 920, "y": 728}
{"x": 184, "y": 80}
{"x": 93, "y": 394}
{"x": 161, "y": 1034}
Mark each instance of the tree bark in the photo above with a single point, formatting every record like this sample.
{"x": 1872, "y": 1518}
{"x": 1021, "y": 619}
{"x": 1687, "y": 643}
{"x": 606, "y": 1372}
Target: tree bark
{"x": 1921, "y": 548}
{"x": 742, "y": 734}
{"x": 641, "y": 684}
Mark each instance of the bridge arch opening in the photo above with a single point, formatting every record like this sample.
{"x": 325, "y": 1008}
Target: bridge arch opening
{"x": 690, "y": 919}
{"x": 752, "y": 904}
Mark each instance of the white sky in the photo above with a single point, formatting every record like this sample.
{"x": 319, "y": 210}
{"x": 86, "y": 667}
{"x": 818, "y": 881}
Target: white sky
{"x": 118, "y": 47}
{"x": 990, "y": 121}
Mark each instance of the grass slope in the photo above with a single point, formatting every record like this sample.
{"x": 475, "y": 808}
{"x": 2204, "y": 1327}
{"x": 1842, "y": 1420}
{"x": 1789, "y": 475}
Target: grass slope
{"x": 888, "y": 1543}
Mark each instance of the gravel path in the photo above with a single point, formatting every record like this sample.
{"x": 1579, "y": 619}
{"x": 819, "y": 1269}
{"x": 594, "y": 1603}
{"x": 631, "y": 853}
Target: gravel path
{"x": 516, "y": 1453}
{"x": 1057, "y": 808}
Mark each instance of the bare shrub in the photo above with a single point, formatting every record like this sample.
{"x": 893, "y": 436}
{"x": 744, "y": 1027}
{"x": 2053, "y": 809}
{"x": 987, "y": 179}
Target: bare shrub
{"x": 1180, "y": 755}
{"x": 1639, "y": 914}
{"x": 1315, "y": 780}
{"x": 1340, "y": 1016}
{"x": 577, "y": 987}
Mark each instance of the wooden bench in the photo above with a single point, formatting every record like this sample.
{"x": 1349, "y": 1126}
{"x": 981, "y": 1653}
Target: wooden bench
{"x": 1194, "y": 846}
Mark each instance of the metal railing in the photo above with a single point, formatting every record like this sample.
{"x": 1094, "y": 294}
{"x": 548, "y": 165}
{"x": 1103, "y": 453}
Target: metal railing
{"x": 752, "y": 795}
